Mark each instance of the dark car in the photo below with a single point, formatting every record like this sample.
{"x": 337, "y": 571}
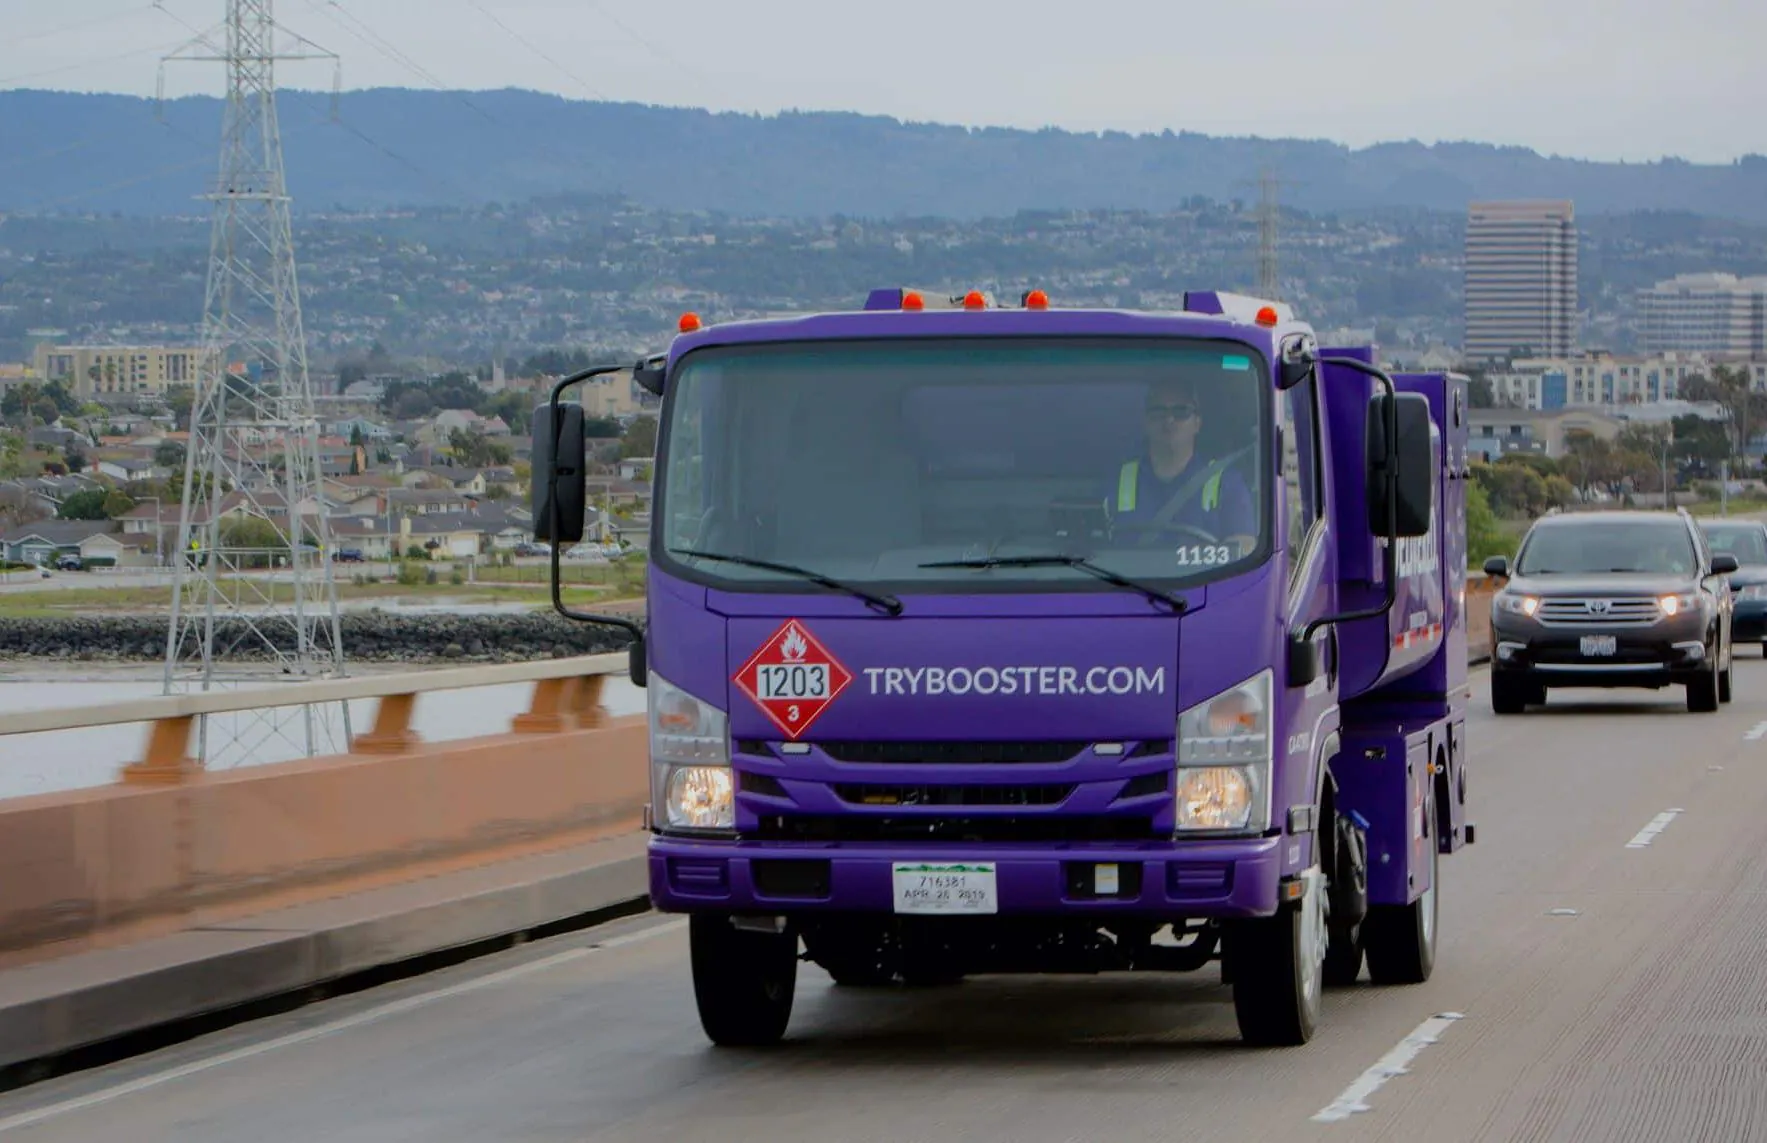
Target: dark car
{"x": 1611, "y": 599}
{"x": 1747, "y": 541}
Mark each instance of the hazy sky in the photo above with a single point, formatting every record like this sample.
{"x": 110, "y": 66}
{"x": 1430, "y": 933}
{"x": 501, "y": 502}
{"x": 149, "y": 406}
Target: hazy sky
{"x": 1619, "y": 79}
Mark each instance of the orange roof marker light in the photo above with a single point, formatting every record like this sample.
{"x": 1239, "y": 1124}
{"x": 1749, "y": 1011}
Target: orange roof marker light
{"x": 974, "y": 300}
{"x": 1267, "y": 316}
{"x": 1036, "y": 300}
{"x": 688, "y": 323}
{"x": 912, "y": 301}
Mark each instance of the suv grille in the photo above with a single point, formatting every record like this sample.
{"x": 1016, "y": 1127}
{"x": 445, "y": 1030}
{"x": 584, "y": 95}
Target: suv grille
{"x": 1599, "y": 612}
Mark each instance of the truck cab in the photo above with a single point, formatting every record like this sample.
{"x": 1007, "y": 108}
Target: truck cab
{"x": 986, "y": 638}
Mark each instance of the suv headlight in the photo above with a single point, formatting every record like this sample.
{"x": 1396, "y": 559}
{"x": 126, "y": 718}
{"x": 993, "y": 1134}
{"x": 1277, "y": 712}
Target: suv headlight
{"x": 690, "y": 779}
{"x": 1224, "y": 759}
{"x": 1672, "y": 605}
{"x": 1516, "y": 604}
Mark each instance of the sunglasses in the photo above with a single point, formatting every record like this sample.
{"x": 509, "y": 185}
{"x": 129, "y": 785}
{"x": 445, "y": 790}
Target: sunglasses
{"x": 1182, "y": 411}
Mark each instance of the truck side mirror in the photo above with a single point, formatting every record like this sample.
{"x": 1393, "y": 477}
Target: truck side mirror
{"x": 1299, "y": 353}
{"x": 557, "y": 462}
{"x": 1406, "y": 455}
{"x": 1307, "y": 658}
{"x": 1724, "y": 563}
{"x": 1497, "y": 566}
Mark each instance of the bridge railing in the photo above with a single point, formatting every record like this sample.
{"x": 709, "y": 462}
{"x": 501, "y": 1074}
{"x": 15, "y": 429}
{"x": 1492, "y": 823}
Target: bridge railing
{"x": 567, "y": 695}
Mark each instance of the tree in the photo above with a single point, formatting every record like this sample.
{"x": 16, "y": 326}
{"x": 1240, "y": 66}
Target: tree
{"x": 118, "y": 503}
{"x": 475, "y": 450}
{"x": 640, "y": 438}
{"x": 169, "y": 454}
{"x": 44, "y": 410}
{"x": 1484, "y": 536}
{"x": 87, "y": 504}
{"x": 1745, "y": 411}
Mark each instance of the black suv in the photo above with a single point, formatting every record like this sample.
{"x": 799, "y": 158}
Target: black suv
{"x": 1611, "y": 599}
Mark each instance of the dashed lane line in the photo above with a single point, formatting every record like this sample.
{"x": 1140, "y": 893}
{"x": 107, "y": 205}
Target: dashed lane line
{"x": 1354, "y": 1099}
{"x": 1649, "y": 833}
{"x": 1756, "y": 732}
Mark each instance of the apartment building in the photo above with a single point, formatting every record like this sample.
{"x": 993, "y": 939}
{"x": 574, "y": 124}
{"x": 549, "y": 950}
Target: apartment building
{"x": 94, "y": 370}
{"x": 1609, "y": 381}
{"x": 1521, "y": 279}
{"x": 1720, "y": 315}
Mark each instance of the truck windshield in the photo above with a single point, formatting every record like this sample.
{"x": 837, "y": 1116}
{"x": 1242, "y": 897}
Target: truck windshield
{"x": 875, "y": 462}
{"x": 1591, "y": 548}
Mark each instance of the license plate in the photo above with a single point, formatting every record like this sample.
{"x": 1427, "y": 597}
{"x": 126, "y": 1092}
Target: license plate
{"x": 957, "y": 888}
{"x": 1598, "y": 645}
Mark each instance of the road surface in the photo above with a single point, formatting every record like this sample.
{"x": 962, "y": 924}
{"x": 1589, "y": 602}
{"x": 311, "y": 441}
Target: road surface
{"x": 1601, "y": 977}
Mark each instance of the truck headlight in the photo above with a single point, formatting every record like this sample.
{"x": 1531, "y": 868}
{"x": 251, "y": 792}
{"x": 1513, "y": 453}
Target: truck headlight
{"x": 690, "y": 779}
{"x": 1517, "y": 604}
{"x": 1224, "y": 758}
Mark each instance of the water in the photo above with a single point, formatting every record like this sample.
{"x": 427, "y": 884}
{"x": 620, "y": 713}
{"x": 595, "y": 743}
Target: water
{"x": 52, "y": 761}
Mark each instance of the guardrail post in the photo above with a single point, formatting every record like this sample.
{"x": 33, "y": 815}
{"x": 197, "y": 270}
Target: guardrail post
{"x": 547, "y": 713}
{"x": 167, "y": 761}
{"x": 586, "y": 702}
{"x": 392, "y": 733}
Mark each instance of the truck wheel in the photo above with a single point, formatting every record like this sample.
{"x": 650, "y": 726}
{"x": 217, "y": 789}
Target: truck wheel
{"x": 1400, "y": 940}
{"x": 1279, "y": 970}
{"x": 743, "y": 981}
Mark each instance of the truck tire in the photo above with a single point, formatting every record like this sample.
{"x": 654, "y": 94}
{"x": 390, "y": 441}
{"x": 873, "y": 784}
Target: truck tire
{"x": 743, "y": 982}
{"x": 1400, "y": 940}
{"x": 1278, "y": 971}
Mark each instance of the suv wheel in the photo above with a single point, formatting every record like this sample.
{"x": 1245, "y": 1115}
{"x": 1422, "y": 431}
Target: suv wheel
{"x": 1702, "y": 693}
{"x": 1509, "y": 695}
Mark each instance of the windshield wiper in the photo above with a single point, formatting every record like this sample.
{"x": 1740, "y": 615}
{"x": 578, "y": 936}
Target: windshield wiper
{"x": 886, "y": 603}
{"x": 1179, "y": 606}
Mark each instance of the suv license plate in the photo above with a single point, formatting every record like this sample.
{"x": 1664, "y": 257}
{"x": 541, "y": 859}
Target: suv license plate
{"x": 1598, "y": 645}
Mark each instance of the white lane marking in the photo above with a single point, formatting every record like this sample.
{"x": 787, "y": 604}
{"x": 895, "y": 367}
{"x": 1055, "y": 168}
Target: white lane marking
{"x": 1759, "y": 730}
{"x": 1649, "y": 833}
{"x": 392, "y": 1008}
{"x": 1354, "y": 1098}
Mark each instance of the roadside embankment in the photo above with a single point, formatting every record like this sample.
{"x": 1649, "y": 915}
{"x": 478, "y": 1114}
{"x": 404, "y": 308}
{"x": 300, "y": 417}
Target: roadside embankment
{"x": 371, "y": 636}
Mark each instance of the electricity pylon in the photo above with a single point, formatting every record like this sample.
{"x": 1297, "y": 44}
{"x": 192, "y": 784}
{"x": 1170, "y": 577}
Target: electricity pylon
{"x": 253, "y": 597}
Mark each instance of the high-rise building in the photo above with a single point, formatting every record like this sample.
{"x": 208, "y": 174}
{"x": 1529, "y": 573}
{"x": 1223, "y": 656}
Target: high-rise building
{"x": 1521, "y": 279}
{"x": 1718, "y": 314}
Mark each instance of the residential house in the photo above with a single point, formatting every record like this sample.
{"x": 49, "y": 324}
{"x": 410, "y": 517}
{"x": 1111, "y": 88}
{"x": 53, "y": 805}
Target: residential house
{"x": 93, "y": 541}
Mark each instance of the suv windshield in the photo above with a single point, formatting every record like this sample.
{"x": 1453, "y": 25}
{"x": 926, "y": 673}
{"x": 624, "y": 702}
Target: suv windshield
{"x": 1573, "y": 547}
{"x": 872, "y": 461}
{"x": 1747, "y": 542}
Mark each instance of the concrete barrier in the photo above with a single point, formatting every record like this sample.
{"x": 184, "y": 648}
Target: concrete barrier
{"x": 86, "y": 861}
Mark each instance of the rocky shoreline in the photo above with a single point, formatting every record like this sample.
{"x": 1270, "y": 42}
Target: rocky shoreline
{"x": 368, "y": 637}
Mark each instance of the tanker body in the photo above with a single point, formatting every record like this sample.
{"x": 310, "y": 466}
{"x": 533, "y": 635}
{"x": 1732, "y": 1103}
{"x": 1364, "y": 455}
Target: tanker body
{"x": 990, "y": 639}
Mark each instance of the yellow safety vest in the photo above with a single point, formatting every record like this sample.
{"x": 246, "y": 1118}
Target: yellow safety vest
{"x": 1130, "y": 475}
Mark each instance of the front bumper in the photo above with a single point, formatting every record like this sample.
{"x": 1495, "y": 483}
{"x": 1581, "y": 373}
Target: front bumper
{"x": 1556, "y": 660}
{"x": 1199, "y": 879}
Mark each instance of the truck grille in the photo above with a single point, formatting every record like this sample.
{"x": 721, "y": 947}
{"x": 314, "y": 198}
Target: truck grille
{"x": 921, "y": 827}
{"x": 952, "y": 753}
{"x": 879, "y": 795}
{"x": 1599, "y": 612}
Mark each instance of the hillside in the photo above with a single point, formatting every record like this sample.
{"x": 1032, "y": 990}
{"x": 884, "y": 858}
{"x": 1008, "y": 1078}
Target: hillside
{"x": 396, "y": 147}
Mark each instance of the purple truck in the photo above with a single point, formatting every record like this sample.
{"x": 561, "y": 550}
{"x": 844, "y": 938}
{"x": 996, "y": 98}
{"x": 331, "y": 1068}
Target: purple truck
{"x": 990, "y": 638}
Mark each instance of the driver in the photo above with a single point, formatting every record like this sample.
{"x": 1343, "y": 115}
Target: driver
{"x": 1170, "y": 486}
